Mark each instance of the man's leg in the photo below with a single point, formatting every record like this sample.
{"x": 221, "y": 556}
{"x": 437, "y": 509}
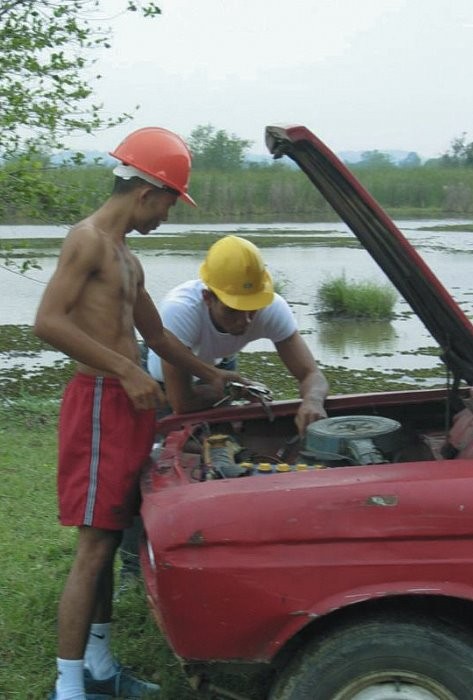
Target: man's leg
{"x": 88, "y": 578}
{"x": 87, "y": 597}
{"x": 130, "y": 552}
{"x": 103, "y": 675}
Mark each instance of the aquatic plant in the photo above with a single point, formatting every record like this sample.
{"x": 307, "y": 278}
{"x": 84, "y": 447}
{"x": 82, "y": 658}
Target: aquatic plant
{"x": 341, "y": 297}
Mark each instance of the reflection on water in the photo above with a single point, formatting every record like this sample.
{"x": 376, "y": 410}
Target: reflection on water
{"x": 343, "y": 337}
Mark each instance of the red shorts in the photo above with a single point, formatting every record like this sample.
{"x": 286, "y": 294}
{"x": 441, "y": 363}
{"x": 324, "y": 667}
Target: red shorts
{"x": 103, "y": 444}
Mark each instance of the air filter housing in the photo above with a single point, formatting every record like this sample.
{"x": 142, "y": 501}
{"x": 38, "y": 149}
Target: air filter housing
{"x": 353, "y": 439}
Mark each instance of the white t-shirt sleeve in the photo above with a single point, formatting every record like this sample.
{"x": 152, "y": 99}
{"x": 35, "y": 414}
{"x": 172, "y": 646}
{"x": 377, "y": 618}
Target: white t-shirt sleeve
{"x": 277, "y": 322}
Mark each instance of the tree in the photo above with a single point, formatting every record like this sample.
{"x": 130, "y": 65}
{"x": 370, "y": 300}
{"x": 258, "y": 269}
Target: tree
{"x": 412, "y": 160}
{"x": 460, "y": 153}
{"x": 375, "y": 159}
{"x": 47, "y": 47}
{"x": 212, "y": 149}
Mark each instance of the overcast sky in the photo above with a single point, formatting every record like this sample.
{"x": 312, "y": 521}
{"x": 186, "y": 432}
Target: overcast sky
{"x": 361, "y": 74}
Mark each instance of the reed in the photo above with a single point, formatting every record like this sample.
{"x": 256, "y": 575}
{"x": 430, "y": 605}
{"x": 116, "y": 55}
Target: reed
{"x": 276, "y": 193}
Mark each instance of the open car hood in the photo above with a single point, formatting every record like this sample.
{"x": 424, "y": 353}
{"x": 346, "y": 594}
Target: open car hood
{"x": 407, "y": 271}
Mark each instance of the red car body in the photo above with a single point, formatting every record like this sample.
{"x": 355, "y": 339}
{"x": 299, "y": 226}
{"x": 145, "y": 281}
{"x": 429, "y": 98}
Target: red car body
{"x": 265, "y": 569}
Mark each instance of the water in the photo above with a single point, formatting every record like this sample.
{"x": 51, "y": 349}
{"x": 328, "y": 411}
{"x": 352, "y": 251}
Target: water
{"x": 299, "y": 270}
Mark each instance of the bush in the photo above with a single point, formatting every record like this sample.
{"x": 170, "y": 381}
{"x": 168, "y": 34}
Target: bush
{"x": 339, "y": 297}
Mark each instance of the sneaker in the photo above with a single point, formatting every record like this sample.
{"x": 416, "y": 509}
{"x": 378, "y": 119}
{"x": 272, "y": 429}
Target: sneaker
{"x": 121, "y": 685}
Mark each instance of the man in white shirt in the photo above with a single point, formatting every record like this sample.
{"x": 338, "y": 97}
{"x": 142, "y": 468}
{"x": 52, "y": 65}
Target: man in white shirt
{"x": 216, "y": 316}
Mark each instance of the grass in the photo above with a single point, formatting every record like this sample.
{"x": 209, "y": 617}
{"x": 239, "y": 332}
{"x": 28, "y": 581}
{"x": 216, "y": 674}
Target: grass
{"x": 36, "y": 552}
{"x": 342, "y": 298}
{"x": 31, "y": 552}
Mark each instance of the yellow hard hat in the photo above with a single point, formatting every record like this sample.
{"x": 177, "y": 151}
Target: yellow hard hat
{"x": 235, "y": 272}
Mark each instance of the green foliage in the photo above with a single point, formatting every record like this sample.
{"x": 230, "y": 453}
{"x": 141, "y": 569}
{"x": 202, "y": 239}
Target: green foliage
{"x": 339, "y": 297}
{"x": 45, "y": 93}
{"x": 460, "y": 154}
{"x": 47, "y": 49}
{"x": 65, "y": 194}
{"x": 434, "y": 189}
{"x": 26, "y": 186}
{"x": 375, "y": 159}
{"x": 412, "y": 160}
{"x": 216, "y": 150}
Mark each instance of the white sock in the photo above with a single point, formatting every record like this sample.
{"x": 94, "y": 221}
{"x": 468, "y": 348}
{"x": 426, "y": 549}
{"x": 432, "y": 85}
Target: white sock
{"x": 98, "y": 657}
{"x": 70, "y": 679}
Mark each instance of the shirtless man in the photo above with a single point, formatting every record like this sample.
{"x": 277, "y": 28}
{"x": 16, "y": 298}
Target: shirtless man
{"x": 90, "y": 309}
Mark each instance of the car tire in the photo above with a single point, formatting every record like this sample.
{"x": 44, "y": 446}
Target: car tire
{"x": 385, "y": 658}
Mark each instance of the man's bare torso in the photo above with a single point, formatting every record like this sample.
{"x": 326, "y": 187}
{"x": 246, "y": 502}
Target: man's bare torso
{"x": 104, "y": 307}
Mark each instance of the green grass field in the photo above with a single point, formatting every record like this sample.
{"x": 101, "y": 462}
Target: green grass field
{"x": 35, "y": 554}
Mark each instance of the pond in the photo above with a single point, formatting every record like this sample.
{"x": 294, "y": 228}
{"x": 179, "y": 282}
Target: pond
{"x": 299, "y": 269}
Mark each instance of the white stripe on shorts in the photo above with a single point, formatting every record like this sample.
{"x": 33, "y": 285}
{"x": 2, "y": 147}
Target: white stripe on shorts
{"x": 94, "y": 453}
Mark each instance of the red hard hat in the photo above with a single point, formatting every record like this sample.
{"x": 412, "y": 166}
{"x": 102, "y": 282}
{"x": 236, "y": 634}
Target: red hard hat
{"x": 159, "y": 153}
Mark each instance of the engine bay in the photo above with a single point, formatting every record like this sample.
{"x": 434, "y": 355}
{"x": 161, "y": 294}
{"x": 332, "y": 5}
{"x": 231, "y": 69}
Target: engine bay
{"x": 331, "y": 442}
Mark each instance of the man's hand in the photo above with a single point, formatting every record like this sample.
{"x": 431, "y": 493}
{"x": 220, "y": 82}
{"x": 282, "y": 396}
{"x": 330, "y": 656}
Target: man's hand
{"x": 309, "y": 411}
{"x": 143, "y": 391}
{"x": 223, "y": 379}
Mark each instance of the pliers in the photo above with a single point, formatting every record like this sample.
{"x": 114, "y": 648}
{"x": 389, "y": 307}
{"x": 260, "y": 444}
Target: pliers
{"x": 237, "y": 390}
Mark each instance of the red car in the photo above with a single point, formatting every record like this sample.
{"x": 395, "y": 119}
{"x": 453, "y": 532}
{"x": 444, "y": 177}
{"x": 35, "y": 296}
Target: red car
{"x": 340, "y": 566}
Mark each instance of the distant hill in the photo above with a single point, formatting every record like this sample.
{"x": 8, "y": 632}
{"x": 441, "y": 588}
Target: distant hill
{"x": 90, "y": 157}
{"x": 355, "y": 156}
{"x": 349, "y": 157}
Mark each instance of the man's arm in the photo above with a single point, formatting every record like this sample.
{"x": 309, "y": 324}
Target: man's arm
{"x": 184, "y": 394}
{"x": 180, "y": 361}
{"x": 313, "y": 387}
{"x": 80, "y": 256}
